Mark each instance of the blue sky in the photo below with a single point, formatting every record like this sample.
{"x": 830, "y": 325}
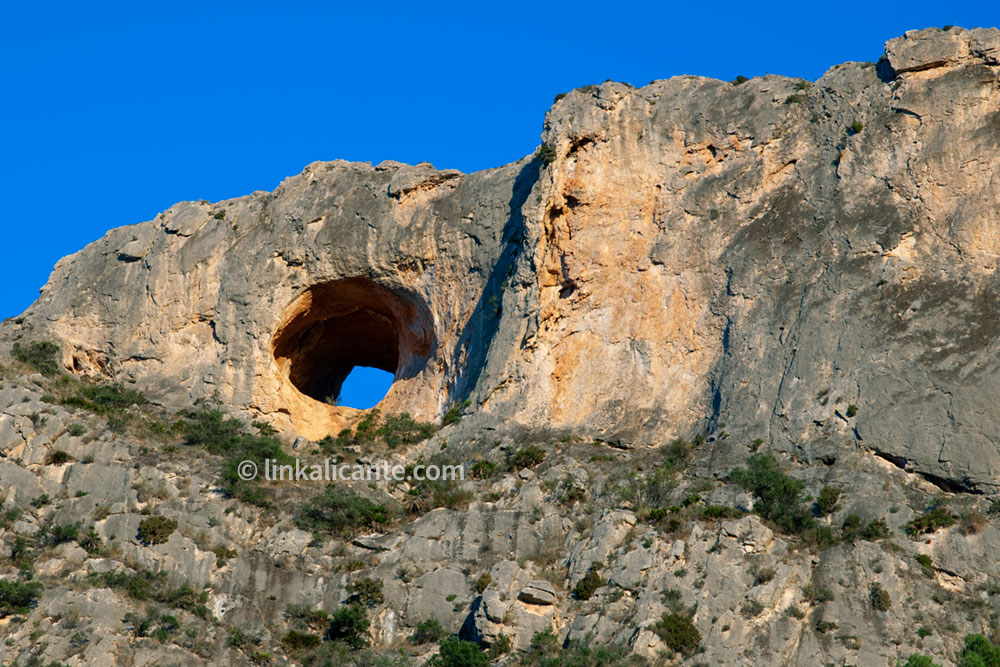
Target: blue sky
{"x": 111, "y": 112}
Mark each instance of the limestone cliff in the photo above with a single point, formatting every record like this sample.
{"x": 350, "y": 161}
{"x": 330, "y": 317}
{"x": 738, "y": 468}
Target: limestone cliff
{"x": 811, "y": 264}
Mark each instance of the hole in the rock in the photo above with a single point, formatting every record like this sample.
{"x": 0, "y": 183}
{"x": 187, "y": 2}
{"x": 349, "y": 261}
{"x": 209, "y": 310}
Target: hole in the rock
{"x": 364, "y": 387}
{"x": 335, "y": 327}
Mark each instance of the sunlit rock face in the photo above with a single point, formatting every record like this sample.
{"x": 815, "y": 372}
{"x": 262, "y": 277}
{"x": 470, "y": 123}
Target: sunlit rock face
{"x": 810, "y": 263}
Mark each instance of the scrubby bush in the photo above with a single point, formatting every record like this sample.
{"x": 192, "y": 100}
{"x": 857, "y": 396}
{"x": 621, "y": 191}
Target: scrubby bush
{"x": 40, "y": 355}
{"x": 816, "y": 594}
{"x": 588, "y": 585}
{"x": 303, "y": 616}
{"x": 545, "y": 651}
{"x": 826, "y": 502}
{"x": 350, "y": 626}
{"x": 402, "y": 429}
{"x": 979, "y": 652}
{"x": 367, "y": 591}
{"x": 856, "y": 128}
{"x": 392, "y": 430}
{"x": 971, "y": 522}
{"x": 678, "y": 632}
{"x": 18, "y": 597}
{"x": 57, "y": 458}
{"x": 296, "y": 640}
{"x": 933, "y": 519}
{"x": 338, "y": 511}
{"x": 483, "y": 582}
{"x": 427, "y": 632}
{"x": 54, "y": 535}
{"x": 778, "y": 497}
{"x": 156, "y": 530}
{"x": 454, "y": 413}
{"x": 526, "y": 457}
{"x": 547, "y": 153}
{"x": 917, "y": 660}
{"x": 105, "y": 398}
{"x": 229, "y": 438}
{"x": 926, "y": 564}
{"x": 483, "y": 470}
{"x": 881, "y": 601}
{"x": 455, "y": 652}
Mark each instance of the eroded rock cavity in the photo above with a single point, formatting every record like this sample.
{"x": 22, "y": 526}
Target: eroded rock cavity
{"x": 333, "y": 327}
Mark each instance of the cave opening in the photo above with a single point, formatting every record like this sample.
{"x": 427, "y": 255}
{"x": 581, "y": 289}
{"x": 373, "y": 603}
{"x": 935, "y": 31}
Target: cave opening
{"x": 335, "y": 327}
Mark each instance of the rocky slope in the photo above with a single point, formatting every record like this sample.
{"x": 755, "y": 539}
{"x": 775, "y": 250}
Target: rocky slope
{"x": 802, "y": 269}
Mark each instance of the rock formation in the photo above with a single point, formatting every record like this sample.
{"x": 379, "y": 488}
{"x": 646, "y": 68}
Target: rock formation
{"x": 810, "y": 264}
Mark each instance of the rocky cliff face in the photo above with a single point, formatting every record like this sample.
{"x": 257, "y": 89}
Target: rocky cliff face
{"x": 811, "y": 264}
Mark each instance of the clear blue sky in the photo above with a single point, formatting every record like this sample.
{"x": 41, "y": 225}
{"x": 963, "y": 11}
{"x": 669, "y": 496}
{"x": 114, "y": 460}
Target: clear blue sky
{"x": 111, "y": 112}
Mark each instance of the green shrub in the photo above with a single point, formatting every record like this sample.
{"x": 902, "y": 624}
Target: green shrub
{"x": 826, "y": 503}
{"x": 350, "y": 626}
{"x": 367, "y": 591}
{"x": 926, "y": 564}
{"x": 547, "y": 153}
{"x": 393, "y": 430}
{"x": 428, "y": 632}
{"x": 338, "y": 511}
{"x": 58, "y": 458}
{"x": 751, "y": 608}
{"x": 209, "y": 428}
{"x": 856, "y": 128}
{"x": 57, "y": 534}
{"x": 300, "y": 641}
{"x": 455, "y": 652}
{"x": 881, "y": 601}
{"x": 106, "y": 399}
{"x": 930, "y": 521}
{"x": 526, "y": 457}
{"x": 796, "y": 99}
{"x": 454, "y": 413}
{"x": 678, "y": 632}
{"x": 875, "y": 530}
{"x": 816, "y": 594}
{"x": 852, "y": 410}
{"x": 483, "y": 470}
{"x": 917, "y": 660}
{"x": 156, "y": 530}
{"x": 500, "y": 647}
{"x": 979, "y": 652}
{"x": 778, "y": 497}
{"x": 739, "y": 80}
{"x": 303, "y": 616}
{"x": 18, "y": 597}
{"x": 822, "y": 536}
{"x": 140, "y": 586}
{"x": 41, "y": 355}
{"x": 590, "y": 582}
{"x": 718, "y": 512}
{"x": 402, "y": 429}
{"x": 822, "y": 626}
{"x": 76, "y": 430}
{"x": 483, "y": 582}
{"x": 91, "y": 542}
